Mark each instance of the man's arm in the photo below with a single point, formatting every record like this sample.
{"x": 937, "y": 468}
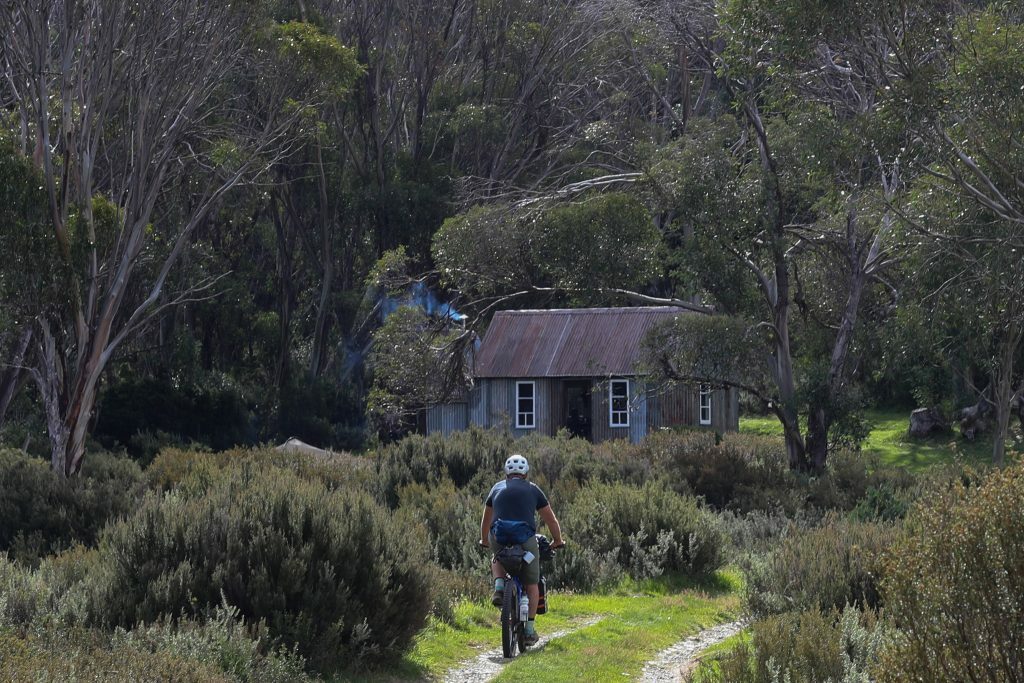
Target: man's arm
{"x": 485, "y": 524}
{"x": 548, "y": 515}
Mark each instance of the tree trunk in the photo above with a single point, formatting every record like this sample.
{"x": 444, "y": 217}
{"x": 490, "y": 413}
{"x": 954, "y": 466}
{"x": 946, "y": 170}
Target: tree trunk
{"x": 13, "y": 379}
{"x": 818, "y": 424}
{"x": 1003, "y": 398}
{"x": 323, "y": 312}
{"x": 285, "y": 298}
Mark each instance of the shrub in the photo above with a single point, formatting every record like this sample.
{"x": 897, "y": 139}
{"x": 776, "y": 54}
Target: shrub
{"x": 330, "y": 572}
{"x": 135, "y": 414}
{"x": 450, "y": 588}
{"x": 452, "y": 522}
{"x": 41, "y": 513}
{"x": 221, "y": 649}
{"x": 460, "y": 457}
{"x": 646, "y": 529}
{"x": 473, "y": 460}
{"x": 193, "y": 471}
{"x": 742, "y": 472}
{"x": 803, "y": 647}
{"x": 758, "y": 532}
{"x": 829, "y": 566}
{"x": 954, "y": 585}
{"x": 36, "y": 659}
{"x": 41, "y": 623}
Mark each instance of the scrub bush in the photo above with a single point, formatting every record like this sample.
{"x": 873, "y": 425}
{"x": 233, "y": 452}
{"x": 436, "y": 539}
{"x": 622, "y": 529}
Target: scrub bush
{"x": 803, "y": 647}
{"x": 954, "y": 585}
{"x": 825, "y": 567}
{"x": 192, "y": 471}
{"x": 647, "y": 530}
{"x": 221, "y": 649}
{"x": 461, "y": 457}
{"x": 41, "y": 513}
{"x": 330, "y": 572}
{"x": 452, "y": 522}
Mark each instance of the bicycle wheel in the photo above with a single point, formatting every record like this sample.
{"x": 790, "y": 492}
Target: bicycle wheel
{"x": 509, "y": 620}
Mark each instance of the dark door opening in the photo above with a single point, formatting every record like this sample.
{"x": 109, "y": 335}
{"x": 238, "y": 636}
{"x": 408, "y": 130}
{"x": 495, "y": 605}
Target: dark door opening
{"x": 577, "y": 408}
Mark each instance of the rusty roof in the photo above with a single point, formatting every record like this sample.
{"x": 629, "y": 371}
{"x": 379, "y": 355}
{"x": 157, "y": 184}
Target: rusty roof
{"x": 573, "y": 342}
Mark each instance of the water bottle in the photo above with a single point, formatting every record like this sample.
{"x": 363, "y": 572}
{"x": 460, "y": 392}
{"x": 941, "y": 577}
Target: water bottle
{"x": 524, "y": 608}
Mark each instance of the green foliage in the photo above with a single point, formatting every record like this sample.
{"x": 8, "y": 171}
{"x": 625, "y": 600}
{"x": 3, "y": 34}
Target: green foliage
{"x": 195, "y": 471}
{"x": 331, "y": 573}
{"x": 313, "y": 61}
{"x": 41, "y": 513}
{"x": 579, "y": 249}
{"x": 647, "y": 530}
{"x": 452, "y": 521}
{"x": 741, "y": 472}
{"x": 322, "y": 413}
{"x": 463, "y": 457}
{"x": 714, "y": 349}
{"x": 30, "y": 274}
{"x": 954, "y": 587}
{"x": 606, "y": 241}
{"x": 829, "y": 566}
{"x": 42, "y": 638}
{"x": 215, "y": 418}
{"x": 803, "y": 647}
{"x": 416, "y": 362}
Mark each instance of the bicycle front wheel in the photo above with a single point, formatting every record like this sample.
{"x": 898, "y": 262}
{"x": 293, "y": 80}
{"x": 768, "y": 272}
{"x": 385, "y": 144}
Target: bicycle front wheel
{"x": 509, "y": 620}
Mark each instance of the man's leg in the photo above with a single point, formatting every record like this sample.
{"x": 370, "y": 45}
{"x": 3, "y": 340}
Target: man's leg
{"x": 531, "y": 579}
{"x": 498, "y": 573}
{"x": 533, "y": 592}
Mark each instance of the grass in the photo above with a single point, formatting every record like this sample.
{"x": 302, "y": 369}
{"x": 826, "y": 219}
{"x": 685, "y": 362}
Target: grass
{"x": 709, "y": 659}
{"x": 889, "y": 440}
{"x": 638, "y": 619}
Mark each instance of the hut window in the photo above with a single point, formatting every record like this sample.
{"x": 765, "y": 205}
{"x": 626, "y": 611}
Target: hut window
{"x": 618, "y": 403}
{"x": 705, "y": 404}
{"x": 526, "y": 405}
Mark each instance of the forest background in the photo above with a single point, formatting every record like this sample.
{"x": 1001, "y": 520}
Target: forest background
{"x": 231, "y": 224}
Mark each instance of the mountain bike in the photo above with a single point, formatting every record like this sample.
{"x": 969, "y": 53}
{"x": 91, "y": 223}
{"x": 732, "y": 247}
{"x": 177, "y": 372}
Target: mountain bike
{"x": 515, "y": 603}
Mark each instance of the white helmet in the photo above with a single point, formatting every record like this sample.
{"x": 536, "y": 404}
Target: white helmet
{"x": 516, "y": 464}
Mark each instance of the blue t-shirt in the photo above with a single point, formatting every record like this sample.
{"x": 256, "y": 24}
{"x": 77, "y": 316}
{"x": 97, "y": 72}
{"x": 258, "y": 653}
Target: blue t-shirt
{"x": 516, "y": 500}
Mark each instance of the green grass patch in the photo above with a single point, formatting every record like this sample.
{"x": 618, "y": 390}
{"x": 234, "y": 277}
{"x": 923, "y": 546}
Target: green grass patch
{"x": 889, "y": 440}
{"x": 638, "y": 620}
{"x": 710, "y": 658}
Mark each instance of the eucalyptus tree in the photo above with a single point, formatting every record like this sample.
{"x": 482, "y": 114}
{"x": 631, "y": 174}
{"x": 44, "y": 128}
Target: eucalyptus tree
{"x": 801, "y": 200}
{"x": 143, "y": 117}
{"x": 968, "y": 207}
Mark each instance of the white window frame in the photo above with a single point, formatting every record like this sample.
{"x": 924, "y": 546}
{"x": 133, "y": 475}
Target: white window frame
{"x": 704, "y": 404}
{"x": 532, "y": 413}
{"x": 617, "y": 418}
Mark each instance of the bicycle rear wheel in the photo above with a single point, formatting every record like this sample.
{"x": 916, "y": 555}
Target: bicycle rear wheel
{"x": 509, "y": 620}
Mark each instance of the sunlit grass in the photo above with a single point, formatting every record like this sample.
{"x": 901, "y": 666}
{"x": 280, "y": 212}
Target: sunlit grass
{"x": 637, "y": 620}
{"x": 890, "y": 441}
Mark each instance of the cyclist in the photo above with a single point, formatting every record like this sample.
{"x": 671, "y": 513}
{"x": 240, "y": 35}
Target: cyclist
{"x": 510, "y": 518}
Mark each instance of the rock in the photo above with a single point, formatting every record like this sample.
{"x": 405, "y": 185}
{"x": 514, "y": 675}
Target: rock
{"x": 925, "y": 421}
{"x": 974, "y": 419}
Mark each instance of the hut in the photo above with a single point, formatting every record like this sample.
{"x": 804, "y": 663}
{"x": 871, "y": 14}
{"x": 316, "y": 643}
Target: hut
{"x": 540, "y": 371}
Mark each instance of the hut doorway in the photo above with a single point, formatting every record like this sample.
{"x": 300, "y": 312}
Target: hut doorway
{"x": 577, "y": 408}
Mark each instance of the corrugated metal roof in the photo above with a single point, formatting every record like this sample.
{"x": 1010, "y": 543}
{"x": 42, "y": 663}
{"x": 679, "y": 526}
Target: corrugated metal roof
{"x": 574, "y": 342}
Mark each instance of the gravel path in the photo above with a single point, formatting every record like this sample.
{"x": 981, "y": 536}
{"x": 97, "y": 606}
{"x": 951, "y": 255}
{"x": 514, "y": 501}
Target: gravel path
{"x": 670, "y": 663}
{"x": 487, "y": 665}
